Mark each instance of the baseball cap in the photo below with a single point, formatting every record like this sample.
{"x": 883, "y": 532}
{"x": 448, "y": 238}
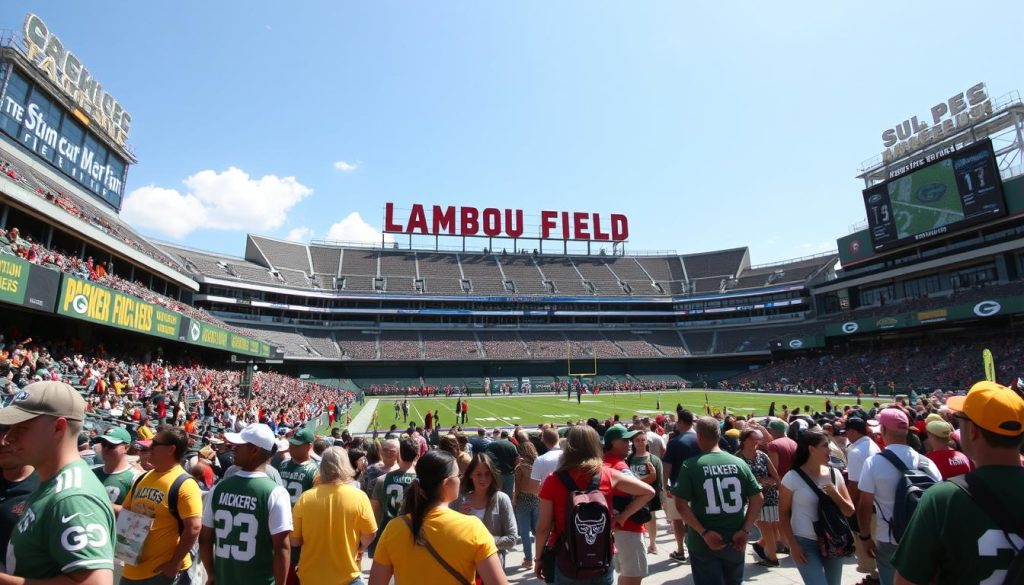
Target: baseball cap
{"x": 733, "y": 433}
{"x": 44, "y": 398}
{"x": 143, "y": 444}
{"x": 989, "y": 405}
{"x": 893, "y": 419}
{"x": 116, "y": 436}
{"x": 856, "y": 423}
{"x": 303, "y": 436}
{"x": 939, "y": 428}
{"x": 778, "y": 426}
{"x": 257, "y": 434}
{"x": 617, "y": 432}
{"x": 934, "y": 417}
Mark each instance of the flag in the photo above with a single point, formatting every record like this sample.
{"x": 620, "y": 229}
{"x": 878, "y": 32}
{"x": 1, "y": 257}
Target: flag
{"x": 990, "y": 365}
{"x": 707, "y": 405}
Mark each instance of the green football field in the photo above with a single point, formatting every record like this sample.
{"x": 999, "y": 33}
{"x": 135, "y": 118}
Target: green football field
{"x": 925, "y": 200}
{"x": 532, "y": 410}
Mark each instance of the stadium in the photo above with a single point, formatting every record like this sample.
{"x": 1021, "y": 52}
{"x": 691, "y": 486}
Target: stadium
{"x": 534, "y": 326}
{"x": 463, "y": 302}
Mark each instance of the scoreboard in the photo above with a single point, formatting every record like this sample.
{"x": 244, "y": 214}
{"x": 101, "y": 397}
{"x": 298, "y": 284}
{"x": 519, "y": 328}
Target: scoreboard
{"x": 935, "y": 195}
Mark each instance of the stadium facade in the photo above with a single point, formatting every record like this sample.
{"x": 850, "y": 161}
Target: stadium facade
{"x": 941, "y": 252}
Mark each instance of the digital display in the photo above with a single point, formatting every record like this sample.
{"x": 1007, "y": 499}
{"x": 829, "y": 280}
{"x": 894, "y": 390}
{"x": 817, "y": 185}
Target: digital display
{"x": 41, "y": 124}
{"x": 935, "y": 195}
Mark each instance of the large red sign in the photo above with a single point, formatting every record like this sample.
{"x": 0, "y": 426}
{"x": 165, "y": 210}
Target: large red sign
{"x": 506, "y": 223}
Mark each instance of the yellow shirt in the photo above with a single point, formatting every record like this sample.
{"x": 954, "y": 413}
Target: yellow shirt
{"x": 145, "y": 433}
{"x": 459, "y": 539}
{"x": 329, "y": 519}
{"x": 150, "y": 499}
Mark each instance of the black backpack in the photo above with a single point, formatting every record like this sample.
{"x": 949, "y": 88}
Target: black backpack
{"x": 835, "y": 537}
{"x": 585, "y": 550}
{"x": 989, "y": 502}
{"x": 909, "y": 489}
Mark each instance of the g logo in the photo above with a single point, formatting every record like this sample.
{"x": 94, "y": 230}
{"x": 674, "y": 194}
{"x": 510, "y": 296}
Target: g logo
{"x": 796, "y": 344}
{"x": 80, "y": 304}
{"x": 987, "y": 308}
{"x": 75, "y": 538}
{"x": 850, "y": 327}
{"x": 193, "y": 331}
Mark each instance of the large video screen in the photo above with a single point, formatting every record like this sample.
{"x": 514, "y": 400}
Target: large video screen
{"x": 40, "y": 123}
{"x": 938, "y": 196}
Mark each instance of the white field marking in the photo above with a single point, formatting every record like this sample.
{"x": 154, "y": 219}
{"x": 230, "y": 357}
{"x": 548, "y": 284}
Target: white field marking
{"x": 506, "y": 420}
{"x": 362, "y": 420}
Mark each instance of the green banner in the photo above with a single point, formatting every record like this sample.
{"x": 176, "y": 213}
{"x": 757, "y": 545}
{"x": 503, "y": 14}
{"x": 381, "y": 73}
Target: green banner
{"x": 13, "y": 279}
{"x": 88, "y": 301}
{"x": 977, "y": 310}
{"x": 212, "y": 336}
{"x": 802, "y": 342}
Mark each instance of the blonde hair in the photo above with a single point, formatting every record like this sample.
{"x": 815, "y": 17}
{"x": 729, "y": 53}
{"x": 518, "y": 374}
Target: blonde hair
{"x": 582, "y": 450}
{"x": 335, "y": 466}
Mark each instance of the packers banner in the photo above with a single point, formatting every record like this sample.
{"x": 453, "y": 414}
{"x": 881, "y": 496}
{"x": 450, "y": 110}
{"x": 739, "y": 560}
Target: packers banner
{"x": 28, "y": 285}
{"x": 89, "y": 301}
{"x": 212, "y": 336}
{"x": 977, "y": 310}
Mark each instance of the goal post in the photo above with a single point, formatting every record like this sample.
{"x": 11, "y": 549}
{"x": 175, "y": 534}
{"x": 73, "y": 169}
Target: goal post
{"x": 568, "y": 362}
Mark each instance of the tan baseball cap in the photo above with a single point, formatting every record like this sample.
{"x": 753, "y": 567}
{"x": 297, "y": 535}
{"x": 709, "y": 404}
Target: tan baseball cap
{"x": 39, "y": 398}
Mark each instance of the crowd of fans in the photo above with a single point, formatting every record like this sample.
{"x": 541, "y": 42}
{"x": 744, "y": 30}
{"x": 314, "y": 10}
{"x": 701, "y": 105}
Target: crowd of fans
{"x": 325, "y": 502}
{"x": 83, "y": 212}
{"x": 884, "y": 369}
{"x": 12, "y": 241}
{"x": 140, "y": 392}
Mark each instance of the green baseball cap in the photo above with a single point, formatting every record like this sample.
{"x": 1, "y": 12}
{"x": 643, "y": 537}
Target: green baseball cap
{"x": 618, "y": 432}
{"x": 303, "y": 436}
{"x": 116, "y": 436}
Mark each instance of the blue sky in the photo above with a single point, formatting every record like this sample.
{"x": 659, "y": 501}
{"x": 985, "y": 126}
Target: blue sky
{"x": 710, "y": 126}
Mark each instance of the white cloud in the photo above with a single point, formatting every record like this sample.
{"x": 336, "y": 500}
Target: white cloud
{"x": 229, "y": 200}
{"x": 301, "y": 234}
{"x": 163, "y": 210}
{"x": 354, "y": 229}
{"x": 345, "y": 166}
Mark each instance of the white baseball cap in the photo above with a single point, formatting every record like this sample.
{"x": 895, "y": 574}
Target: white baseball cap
{"x": 257, "y": 434}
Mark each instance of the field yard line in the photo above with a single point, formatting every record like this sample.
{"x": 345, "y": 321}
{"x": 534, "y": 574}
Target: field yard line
{"x": 362, "y": 420}
{"x": 507, "y": 421}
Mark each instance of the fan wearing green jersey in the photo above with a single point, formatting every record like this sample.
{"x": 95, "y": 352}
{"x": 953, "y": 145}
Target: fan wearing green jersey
{"x": 389, "y": 492}
{"x": 66, "y": 529}
{"x": 298, "y": 473}
{"x": 719, "y": 499}
{"x": 248, "y": 520}
{"x": 299, "y": 470}
{"x": 116, "y": 473}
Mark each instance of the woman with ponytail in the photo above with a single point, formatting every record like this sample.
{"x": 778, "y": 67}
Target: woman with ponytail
{"x": 430, "y": 542}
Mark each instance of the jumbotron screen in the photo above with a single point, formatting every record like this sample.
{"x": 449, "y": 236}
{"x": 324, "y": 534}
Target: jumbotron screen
{"x": 942, "y": 195}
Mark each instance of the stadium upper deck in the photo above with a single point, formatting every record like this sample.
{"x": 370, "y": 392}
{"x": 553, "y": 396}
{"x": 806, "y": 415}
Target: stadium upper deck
{"x": 346, "y": 271}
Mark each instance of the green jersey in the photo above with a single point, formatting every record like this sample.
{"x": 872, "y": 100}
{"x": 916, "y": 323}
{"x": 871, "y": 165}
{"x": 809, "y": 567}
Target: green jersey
{"x": 117, "y": 484}
{"x": 642, "y": 467}
{"x": 717, "y": 485}
{"x": 948, "y": 528}
{"x": 298, "y": 477}
{"x": 390, "y": 492}
{"x": 67, "y": 526}
{"x": 245, "y": 511}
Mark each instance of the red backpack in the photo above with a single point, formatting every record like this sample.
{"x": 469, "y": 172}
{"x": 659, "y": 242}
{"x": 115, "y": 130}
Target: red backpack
{"x": 586, "y": 541}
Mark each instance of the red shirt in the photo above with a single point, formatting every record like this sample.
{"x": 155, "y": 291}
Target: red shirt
{"x": 785, "y": 448}
{"x": 554, "y": 491}
{"x": 615, "y": 462}
{"x": 950, "y": 462}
